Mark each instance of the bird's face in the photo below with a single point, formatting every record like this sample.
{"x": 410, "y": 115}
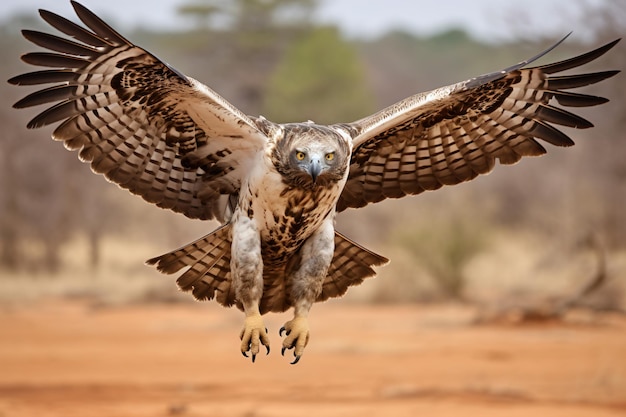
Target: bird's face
{"x": 316, "y": 155}
{"x": 314, "y": 159}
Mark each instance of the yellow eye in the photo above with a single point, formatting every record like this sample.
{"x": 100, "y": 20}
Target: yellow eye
{"x": 330, "y": 156}
{"x": 300, "y": 156}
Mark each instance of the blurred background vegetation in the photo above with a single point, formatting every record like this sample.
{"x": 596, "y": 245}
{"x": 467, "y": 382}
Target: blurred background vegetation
{"x": 522, "y": 230}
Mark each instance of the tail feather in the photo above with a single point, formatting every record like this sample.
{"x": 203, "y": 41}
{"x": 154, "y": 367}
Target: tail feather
{"x": 208, "y": 260}
{"x": 208, "y": 275}
{"x": 351, "y": 264}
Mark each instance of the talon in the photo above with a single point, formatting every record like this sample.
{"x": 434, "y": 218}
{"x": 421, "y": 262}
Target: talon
{"x": 253, "y": 335}
{"x": 280, "y": 332}
{"x": 297, "y": 331}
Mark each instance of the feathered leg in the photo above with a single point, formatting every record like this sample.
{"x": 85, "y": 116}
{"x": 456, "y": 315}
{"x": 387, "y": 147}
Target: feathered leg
{"x": 247, "y": 269}
{"x": 307, "y": 280}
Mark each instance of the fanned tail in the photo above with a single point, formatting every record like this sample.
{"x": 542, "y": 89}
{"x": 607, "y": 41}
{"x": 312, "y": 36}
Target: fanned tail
{"x": 208, "y": 260}
{"x": 351, "y": 264}
{"x": 209, "y": 277}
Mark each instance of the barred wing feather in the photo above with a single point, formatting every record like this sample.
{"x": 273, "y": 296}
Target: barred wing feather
{"x": 138, "y": 121}
{"x": 452, "y": 134}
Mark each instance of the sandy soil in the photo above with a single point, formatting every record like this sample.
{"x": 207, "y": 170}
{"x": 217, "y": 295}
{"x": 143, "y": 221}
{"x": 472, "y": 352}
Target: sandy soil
{"x": 71, "y": 359}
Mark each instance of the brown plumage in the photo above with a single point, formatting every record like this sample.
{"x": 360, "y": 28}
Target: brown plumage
{"x": 276, "y": 188}
{"x": 209, "y": 275}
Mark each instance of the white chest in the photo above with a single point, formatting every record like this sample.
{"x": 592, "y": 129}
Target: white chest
{"x": 285, "y": 216}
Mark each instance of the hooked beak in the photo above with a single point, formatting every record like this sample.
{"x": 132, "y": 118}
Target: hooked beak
{"x": 315, "y": 167}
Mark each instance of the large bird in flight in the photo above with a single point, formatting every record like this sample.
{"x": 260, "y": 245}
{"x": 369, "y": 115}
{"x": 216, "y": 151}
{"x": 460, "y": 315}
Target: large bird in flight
{"x": 277, "y": 187}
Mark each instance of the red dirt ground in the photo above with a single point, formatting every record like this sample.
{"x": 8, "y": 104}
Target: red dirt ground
{"x": 71, "y": 359}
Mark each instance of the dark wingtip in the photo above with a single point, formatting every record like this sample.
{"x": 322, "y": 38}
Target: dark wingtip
{"x": 15, "y": 80}
{"x": 76, "y": 5}
{"x": 578, "y": 60}
{"x": 20, "y": 104}
{"x": 97, "y": 25}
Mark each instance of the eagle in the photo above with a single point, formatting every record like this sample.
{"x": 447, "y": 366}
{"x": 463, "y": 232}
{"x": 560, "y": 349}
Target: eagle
{"x": 276, "y": 188}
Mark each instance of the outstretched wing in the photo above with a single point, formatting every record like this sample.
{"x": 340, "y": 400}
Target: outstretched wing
{"x": 145, "y": 126}
{"x": 452, "y": 134}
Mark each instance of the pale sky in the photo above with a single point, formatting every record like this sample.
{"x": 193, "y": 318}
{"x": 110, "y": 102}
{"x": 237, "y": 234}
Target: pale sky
{"x": 485, "y": 19}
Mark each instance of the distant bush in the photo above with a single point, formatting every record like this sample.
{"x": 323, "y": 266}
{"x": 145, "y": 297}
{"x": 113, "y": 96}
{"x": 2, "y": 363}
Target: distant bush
{"x": 443, "y": 245}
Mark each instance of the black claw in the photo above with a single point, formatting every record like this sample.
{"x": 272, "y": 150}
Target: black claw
{"x": 253, "y": 357}
{"x": 266, "y": 331}
{"x": 244, "y": 354}
{"x": 282, "y": 351}
{"x": 280, "y": 332}
{"x": 268, "y": 349}
{"x": 296, "y": 360}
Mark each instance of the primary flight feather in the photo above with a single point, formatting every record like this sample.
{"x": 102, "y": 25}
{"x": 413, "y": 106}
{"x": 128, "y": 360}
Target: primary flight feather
{"x": 277, "y": 187}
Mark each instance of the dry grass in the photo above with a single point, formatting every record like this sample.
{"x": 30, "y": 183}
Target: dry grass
{"x": 512, "y": 267}
{"x": 121, "y": 278}
{"x": 529, "y": 265}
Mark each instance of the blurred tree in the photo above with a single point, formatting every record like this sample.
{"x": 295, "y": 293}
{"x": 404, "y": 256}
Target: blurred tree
{"x": 202, "y": 14}
{"x": 401, "y": 63}
{"x": 46, "y": 192}
{"x": 248, "y": 37}
{"x": 319, "y": 78}
{"x": 9, "y": 211}
{"x": 249, "y": 15}
{"x": 266, "y": 56}
{"x": 444, "y": 245}
{"x": 609, "y": 142}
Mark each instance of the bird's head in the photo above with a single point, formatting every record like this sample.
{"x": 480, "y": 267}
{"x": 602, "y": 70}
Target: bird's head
{"x": 312, "y": 155}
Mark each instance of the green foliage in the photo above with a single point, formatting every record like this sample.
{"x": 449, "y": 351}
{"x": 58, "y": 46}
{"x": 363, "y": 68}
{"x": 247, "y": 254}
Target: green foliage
{"x": 320, "y": 78}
